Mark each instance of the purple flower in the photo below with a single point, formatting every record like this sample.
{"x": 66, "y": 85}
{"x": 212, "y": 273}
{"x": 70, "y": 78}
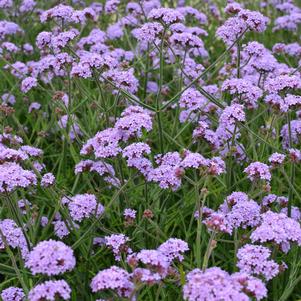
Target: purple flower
{"x": 295, "y": 155}
{"x": 255, "y": 49}
{"x": 288, "y": 22}
{"x": 13, "y": 294}
{"x": 216, "y": 221}
{"x": 191, "y": 100}
{"x": 5, "y": 4}
{"x": 194, "y": 160}
{"x": 8, "y": 98}
{"x": 20, "y": 70}
{"x": 244, "y": 90}
{"x": 28, "y": 83}
{"x": 293, "y": 49}
{"x": 11, "y": 155}
{"x": 27, "y": 6}
{"x": 24, "y": 205}
{"x": 272, "y": 198}
{"x": 291, "y": 133}
{"x": 104, "y": 144}
{"x": 233, "y": 8}
{"x": 132, "y": 121}
{"x": 295, "y": 213}
{"x": 216, "y": 284}
{"x": 61, "y": 40}
{"x": 251, "y": 285}
{"x": 134, "y": 154}
{"x": 216, "y": 166}
{"x": 117, "y": 242}
{"x": 111, "y": 6}
{"x": 43, "y": 39}
{"x": 50, "y": 290}
{"x": 44, "y": 221}
{"x": 254, "y": 20}
{"x": 10, "y": 47}
{"x": 61, "y": 12}
{"x": 50, "y": 257}
{"x": 136, "y": 150}
{"x": 173, "y": 249}
{"x": 232, "y": 114}
{"x": 60, "y": 229}
{"x": 100, "y": 167}
{"x": 203, "y": 213}
{"x": 31, "y": 151}
{"x": 192, "y": 69}
{"x": 244, "y": 214}
{"x": 278, "y": 229}
{"x": 236, "y": 197}
{"x": 9, "y": 28}
{"x": 129, "y": 213}
{"x": 34, "y": 106}
{"x": 276, "y": 102}
{"x": 281, "y": 82}
{"x": 14, "y": 236}
{"x": 114, "y": 278}
{"x": 243, "y": 21}
{"x": 12, "y": 176}
{"x": 231, "y": 30}
{"x": 124, "y": 80}
{"x": 47, "y": 180}
{"x": 276, "y": 159}
{"x": 38, "y": 166}
{"x": 258, "y": 170}
{"x": 254, "y": 260}
{"x": 168, "y": 173}
{"x": 145, "y": 276}
{"x": 166, "y": 15}
{"x": 82, "y": 206}
{"x": 187, "y": 41}
{"x": 149, "y": 32}
{"x": 154, "y": 260}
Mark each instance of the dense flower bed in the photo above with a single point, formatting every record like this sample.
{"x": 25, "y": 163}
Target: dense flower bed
{"x": 150, "y": 150}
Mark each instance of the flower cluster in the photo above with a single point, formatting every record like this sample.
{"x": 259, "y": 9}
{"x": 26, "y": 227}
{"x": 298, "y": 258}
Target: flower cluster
{"x": 50, "y": 290}
{"x": 51, "y": 258}
{"x": 255, "y": 260}
{"x": 216, "y": 284}
{"x": 13, "y": 294}
{"x": 13, "y": 236}
{"x": 278, "y": 229}
{"x": 114, "y": 278}
{"x": 82, "y": 206}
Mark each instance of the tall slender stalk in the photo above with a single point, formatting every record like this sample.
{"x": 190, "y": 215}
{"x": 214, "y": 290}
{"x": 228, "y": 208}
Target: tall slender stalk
{"x": 200, "y": 206}
{"x": 209, "y": 250}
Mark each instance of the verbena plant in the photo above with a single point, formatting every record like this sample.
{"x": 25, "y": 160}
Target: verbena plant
{"x": 150, "y": 150}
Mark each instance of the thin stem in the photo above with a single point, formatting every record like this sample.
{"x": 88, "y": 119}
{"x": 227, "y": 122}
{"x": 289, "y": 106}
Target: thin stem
{"x": 292, "y": 169}
{"x": 200, "y": 206}
{"x": 209, "y": 250}
{"x": 159, "y": 93}
{"x": 238, "y": 59}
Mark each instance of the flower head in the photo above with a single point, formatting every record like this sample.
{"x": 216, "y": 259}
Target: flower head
{"x": 50, "y": 290}
{"x": 50, "y": 257}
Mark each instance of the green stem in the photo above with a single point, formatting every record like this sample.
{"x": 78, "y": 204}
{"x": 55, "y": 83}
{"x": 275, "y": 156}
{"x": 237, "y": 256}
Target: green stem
{"x": 238, "y": 59}
{"x": 208, "y": 251}
{"x": 292, "y": 169}
{"x": 200, "y": 206}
